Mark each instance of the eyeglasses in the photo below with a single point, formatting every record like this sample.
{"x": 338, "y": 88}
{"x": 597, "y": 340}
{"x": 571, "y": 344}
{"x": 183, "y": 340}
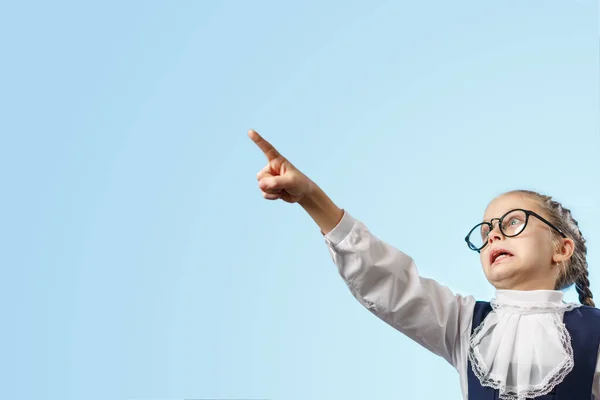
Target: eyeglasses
{"x": 511, "y": 224}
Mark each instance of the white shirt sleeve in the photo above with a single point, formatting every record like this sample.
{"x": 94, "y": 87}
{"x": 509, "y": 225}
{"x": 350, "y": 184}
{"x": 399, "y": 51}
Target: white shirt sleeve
{"x": 385, "y": 280}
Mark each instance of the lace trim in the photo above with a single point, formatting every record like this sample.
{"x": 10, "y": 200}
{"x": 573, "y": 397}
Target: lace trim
{"x": 556, "y": 376}
{"x": 538, "y": 308}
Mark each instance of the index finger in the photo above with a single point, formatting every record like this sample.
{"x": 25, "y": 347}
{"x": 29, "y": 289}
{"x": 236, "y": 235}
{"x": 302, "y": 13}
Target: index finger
{"x": 266, "y": 147}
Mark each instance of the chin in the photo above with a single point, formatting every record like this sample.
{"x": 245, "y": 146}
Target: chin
{"x": 501, "y": 275}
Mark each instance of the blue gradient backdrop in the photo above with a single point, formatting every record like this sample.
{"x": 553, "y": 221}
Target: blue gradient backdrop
{"x": 139, "y": 260}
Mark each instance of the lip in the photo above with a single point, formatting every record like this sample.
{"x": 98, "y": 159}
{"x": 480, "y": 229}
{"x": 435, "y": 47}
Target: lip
{"x": 495, "y": 252}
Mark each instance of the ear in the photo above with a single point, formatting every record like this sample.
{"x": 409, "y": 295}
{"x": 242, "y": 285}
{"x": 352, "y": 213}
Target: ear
{"x": 564, "y": 250}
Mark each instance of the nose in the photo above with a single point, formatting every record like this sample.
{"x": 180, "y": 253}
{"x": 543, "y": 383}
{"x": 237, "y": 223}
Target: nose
{"x": 495, "y": 233}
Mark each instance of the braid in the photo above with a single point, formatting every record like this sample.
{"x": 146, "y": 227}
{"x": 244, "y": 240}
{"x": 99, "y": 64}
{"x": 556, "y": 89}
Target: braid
{"x": 582, "y": 284}
{"x": 576, "y": 270}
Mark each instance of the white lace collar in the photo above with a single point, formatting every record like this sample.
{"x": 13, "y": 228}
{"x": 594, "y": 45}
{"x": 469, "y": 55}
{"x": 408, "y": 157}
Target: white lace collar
{"x": 522, "y": 347}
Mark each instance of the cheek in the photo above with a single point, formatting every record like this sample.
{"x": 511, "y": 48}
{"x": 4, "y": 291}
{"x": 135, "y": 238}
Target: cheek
{"x": 533, "y": 253}
{"x": 485, "y": 265}
{"x": 535, "y": 248}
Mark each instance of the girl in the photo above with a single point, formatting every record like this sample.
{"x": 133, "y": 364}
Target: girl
{"x": 525, "y": 343}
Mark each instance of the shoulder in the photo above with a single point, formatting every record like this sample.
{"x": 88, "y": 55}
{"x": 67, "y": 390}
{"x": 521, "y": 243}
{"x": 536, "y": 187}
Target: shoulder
{"x": 584, "y": 316}
{"x": 482, "y": 306}
{"x": 589, "y": 312}
{"x": 480, "y": 310}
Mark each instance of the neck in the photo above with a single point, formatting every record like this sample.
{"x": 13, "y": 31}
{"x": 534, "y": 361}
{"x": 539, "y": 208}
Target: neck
{"x": 527, "y": 284}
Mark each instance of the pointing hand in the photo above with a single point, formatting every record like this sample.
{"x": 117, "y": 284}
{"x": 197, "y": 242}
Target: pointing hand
{"x": 279, "y": 179}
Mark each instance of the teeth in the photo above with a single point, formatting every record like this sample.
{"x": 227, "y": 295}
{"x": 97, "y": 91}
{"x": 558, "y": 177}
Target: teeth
{"x": 503, "y": 255}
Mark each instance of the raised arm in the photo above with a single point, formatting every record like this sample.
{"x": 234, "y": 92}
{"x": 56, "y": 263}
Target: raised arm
{"x": 381, "y": 277}
{"x": 386, "y": 281}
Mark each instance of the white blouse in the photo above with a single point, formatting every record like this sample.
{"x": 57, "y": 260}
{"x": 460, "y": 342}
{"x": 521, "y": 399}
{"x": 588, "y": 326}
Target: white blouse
{"x": 385, "y": 281}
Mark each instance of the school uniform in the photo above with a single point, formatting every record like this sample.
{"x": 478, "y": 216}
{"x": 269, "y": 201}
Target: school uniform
{"x": 521, "y": 344}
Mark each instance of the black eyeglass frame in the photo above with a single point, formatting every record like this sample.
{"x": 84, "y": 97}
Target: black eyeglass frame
{"x": 501, "y": 219}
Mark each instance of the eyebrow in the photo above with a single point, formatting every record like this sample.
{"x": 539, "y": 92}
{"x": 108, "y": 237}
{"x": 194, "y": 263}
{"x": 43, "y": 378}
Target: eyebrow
{"x": 510, "y": 209}
{"x": 488, "y": 220}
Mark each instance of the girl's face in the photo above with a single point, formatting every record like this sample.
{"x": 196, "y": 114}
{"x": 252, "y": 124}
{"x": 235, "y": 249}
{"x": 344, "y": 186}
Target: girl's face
{"x": 531, "y": 265}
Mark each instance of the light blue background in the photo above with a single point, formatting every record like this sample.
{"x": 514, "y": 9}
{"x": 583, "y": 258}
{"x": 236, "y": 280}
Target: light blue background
{"x": 139, "y": 259}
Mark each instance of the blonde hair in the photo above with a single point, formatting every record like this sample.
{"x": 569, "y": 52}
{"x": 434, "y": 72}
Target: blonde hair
{"x": 575, "y": 270}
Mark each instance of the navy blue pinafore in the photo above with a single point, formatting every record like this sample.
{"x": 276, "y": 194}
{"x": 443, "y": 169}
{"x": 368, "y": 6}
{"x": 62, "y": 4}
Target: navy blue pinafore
{"x": 583, "y": 324}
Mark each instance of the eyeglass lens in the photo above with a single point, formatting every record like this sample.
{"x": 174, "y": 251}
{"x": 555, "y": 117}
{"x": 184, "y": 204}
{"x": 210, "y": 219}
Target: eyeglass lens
{"x": 512, "y": 224}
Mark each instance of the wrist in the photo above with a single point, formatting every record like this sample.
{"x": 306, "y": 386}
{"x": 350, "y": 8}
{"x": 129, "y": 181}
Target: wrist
{"x": 321, "y": 209}
{"x": 312, "y": 197}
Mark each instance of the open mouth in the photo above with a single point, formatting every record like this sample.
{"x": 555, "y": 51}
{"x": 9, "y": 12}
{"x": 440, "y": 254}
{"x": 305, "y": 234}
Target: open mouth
{"x": 498, "y": 255}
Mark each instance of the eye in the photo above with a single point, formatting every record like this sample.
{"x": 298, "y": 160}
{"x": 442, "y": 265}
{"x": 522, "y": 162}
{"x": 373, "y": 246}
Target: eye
{"x": 514, "y": 223}
{"x": 485, "y": 231}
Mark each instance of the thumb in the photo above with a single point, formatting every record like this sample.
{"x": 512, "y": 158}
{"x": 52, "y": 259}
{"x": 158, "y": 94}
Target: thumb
{"x": 275, "y": 182}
